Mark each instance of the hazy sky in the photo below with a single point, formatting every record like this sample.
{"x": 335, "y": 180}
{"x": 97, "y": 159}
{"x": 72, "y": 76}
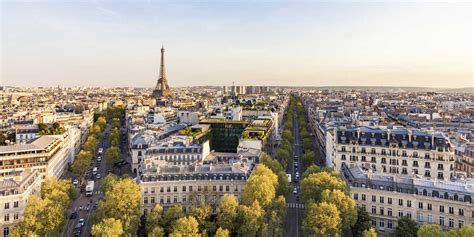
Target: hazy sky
{"x": 117, "y": 43}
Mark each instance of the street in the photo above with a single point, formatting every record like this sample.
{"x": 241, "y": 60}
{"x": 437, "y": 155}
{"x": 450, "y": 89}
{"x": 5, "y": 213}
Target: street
{"x": 82, "y": 200}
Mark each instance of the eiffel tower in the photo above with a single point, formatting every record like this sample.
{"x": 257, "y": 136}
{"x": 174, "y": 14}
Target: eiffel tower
{"x": 162, "y": 89}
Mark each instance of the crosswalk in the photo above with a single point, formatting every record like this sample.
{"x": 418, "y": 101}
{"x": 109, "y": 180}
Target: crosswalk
{"x": 295, "y": 205}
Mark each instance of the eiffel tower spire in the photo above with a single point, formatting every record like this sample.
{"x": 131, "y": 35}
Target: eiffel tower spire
{"x": 162, "y": 89}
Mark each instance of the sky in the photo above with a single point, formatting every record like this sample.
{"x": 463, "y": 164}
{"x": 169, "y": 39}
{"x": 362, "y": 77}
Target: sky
{"x": 274, "y": 43}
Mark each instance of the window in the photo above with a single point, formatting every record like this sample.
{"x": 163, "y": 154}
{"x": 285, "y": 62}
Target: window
{"x": 389, "y": 200}
{"x": 381, "y": 210}
{"x": 408, "y": 203}
{"x": 400, "y": 213}
{"x": 420, "y": 205}
{"x": 461, "y": 212}
{"x": 162, "y": 190}
{"x": 15, "y": 204}
{"x": 15, "y": 216}
{"x": 374, "y": 210}
{"x": 190, "y": 188}
{"x": 451, "y": 210}
{"x": 7, "y": 205}
{"x": 430, "y": 219}
{"x": 389, "y": 224}
{"x": 364, "y": 207}
{"x": 6, "y": 231}
{"x": 382, "y": 223}
{"x": 356, "y": 196}
{"x": 184, "y": 188}
{"x": 7, "y": 217}
{"x": 145, "y": 200}
{"x": 184, "y": 199}
{"x": 409, "y": 214}
{"x": 175, "y": 199}
{"x": 441, "y": 209}
{"x": 227, "y": 188}
{"x": 168, "y": 189}
{"x": 420, "y": 217}
{"x": 460, "y": 223}
{"x": 389, "y": 211}
{"x": 430, "y": 207}
{"x": 175, "y": 189}
{"x": 374, "y": 222}
{"x": 400, "y": 202}
{"x": 451, "y": 222}
{"x": 168, "y": 199}
{"x": 161, "y": 200}
{"x": 363, "y": 197}
{"x": 152, "y": 200}
{"x": 374, "y": 198}
{"x": 381, "y": 199}
{"x": 441, "y": 220}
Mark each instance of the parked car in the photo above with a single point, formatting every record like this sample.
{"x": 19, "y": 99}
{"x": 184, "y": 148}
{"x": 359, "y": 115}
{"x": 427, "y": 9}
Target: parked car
{"x": 97, "y": 176}
{"x": 75, "y": 182}
{"x": 73, "y": 215}
{"x": 295, "y": 190}
{"x": 81, "y": 221}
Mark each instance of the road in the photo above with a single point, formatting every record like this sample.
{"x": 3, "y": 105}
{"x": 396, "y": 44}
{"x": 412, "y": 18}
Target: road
{"x": 295, "y": 212}
{"x": 82, "y": 200}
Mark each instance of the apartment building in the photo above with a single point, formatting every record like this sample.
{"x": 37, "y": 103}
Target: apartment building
{"x": 15, "y": 188}
{"x": 205, "y": 180}
{"x": 465, "y": 160}
{"x": 49, "y": 155}
{"x": 388, "y": 197}
{"x": 394, "y": 150}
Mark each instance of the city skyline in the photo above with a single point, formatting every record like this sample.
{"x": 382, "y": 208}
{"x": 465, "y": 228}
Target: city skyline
{"x": 95, "y": 44}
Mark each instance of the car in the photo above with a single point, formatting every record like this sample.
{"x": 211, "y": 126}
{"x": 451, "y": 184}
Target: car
{"x": 297, "y": 198}
{"x": 295, "y": 190}
{"x": 73, "y": 215}
{"x": 78, "y": 229}
{"x": 81, "y": 221}
{"x": 99, "y": 158}
{"x": 97, "y": 176}
{"x": 75, "y": 182}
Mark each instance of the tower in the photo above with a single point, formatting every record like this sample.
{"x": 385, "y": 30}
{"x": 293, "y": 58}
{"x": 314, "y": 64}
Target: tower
{"x": 162, "y": 89}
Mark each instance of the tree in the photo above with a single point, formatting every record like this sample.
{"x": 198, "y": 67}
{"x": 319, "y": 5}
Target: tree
{"x": 322, "y": 219}
{"x": 122, "y": 202}
{"x": 157, "y": 232}
{"x": 112, "y": 155}
{"x": 308, "y": 158}
{"x": 313, "y": 185}
{"x": 311, "y": 170}
{"x": 362, "y": 223}
{"x": 275, "y": 216}
{"x": 108, "y": 182}
{"x": 227, "y": 212}
{"x": 369, "y": 233}
{"x": 82, "y": 163}
{"x": 222, "y": 233}
{"x": 171, "y": 215}
{"x": 154, "y": 219}
{"x": 283, "y": 187}
{"x": 345, "y": 205}
{"x": 251, "y": 218}
{"x": 202, "y": 213}
{"x": 95, "y": 130}
{"x": 259, "y": 188}
{"x": 109, "y": 227}
{"x": 430, "y": 230}
{"x": 461, "y": 232}
{"x": 406, "y": 227}
{"x": 101, "y": 121}
{"x": 186, "y": 226}
{"x": 90, "y": 144}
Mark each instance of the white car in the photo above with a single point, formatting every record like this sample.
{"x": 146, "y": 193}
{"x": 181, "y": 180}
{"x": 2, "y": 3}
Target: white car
{"x": 81, "y": 221}
{"x": 75, "y": 182}
{"x": 295, "y": 190}
{"x": 99, "y": 158}
{"x": 97, "y": 176}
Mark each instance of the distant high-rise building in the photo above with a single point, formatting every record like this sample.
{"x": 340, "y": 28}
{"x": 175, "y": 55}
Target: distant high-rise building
{"x": 162, "y": 89}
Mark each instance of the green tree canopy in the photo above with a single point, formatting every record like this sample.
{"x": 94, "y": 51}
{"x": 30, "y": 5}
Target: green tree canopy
{"x": 322, "y": 219}
{"x": 363, "y": 222}
{"x": 251, "y": 219}
{"x": 227, "y": 212}
{"x": 430, "y": 230}
{"x": 154, "y": 218}
{"x": 122, "y": 202}
{"x": 185, "y": 226}
{"x": 369, "y": 233}
{"x": 112, "y": 155}
{"x": 109, "y": 227}
{"x": 313, "y": 185}
{"x": 461, "y": 232}
{"x": 406, "y": 227}
{"x": 345, "y": 205}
